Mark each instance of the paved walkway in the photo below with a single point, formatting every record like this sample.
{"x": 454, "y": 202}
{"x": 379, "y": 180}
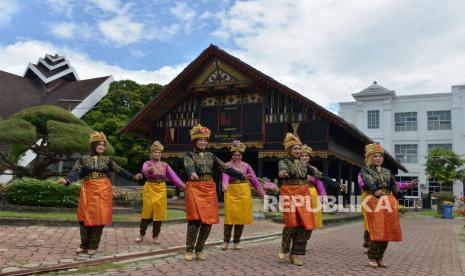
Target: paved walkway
{"x": 40, "y": 246}
{"x": 429, "y": 248}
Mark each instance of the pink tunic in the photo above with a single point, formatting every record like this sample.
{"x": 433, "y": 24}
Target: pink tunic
{"x": 318, "y": 184}
{"x": 162, "y": 171}
{"x": 244, "y": 168}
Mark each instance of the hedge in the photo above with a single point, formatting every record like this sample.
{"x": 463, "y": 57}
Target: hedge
{"x": 44, "y": 193}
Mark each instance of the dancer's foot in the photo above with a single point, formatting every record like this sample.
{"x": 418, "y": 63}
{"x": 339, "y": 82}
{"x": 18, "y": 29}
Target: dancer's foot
{"x": 237, "y": 246}
{"x": 91, "y": 251}
{"x": 189, "y": 256}
{"x": 80, "y": 250}
{"x": 281, "y": 255}
{"x": 295, "y": 260}
{"x": 365, "y": 250}
{"x": 381, "y": 264}
{"x": 225, "y": 246}
{"x": 372, "y": 263}
{"x": 140, "y": 238}
{"x": 156, "y": 240}
{"x": 200, "y": 256}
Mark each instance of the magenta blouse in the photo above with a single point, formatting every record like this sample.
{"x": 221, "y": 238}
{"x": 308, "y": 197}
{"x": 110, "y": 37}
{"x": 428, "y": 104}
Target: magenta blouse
{"x": 318, "y": 184}
{"x": 400, "y": 185}
{"x": 162, "y": 171}
{"x": 246, "y": 169}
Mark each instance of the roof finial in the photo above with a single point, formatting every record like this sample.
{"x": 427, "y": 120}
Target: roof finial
{"x": 375, "y": 82}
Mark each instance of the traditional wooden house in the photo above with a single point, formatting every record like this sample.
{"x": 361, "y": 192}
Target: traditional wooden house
{"x": 236, "y": 101}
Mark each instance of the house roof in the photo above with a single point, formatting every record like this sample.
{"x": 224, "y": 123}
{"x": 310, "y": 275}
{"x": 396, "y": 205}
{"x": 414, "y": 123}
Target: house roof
{"x": 51, "y": 81}
{"x": 374, "y": 90}
{"x": 176, "y": 92}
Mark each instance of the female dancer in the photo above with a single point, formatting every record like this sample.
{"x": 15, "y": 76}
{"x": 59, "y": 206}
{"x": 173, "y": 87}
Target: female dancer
{"x": 155, "y": 173}
{"x": 201, "y": 198}
{"x": 382, "y": 212}
{"x": 95, "y": 201}
{"x": 400, "y": 185}
{"x": 298, "y": 218}
{"x": 315, "y": 188}
{"x": 237, "y": 197}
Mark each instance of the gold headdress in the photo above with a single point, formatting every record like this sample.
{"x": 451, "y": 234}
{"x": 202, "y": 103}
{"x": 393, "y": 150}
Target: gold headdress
{"x": 199, "y": 131}
{"x": 237, "y": 146}
{"x": 371, "y": 149}
{"x": 97, "y": 137}
{"x": 291, "y": 140}
{"x": 156, "y": 146}
{"x": 307, "y": 149}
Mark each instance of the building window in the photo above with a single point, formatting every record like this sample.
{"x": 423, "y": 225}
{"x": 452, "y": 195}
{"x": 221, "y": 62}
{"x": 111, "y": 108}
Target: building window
{"x": 405, "y": 121}
{"x": 445, "y": 146}
{"x": 373, "y": 119}
{"x": 439, "y": 120}
{"x": 434, "y": 187}
{"x": 407, "y": 153}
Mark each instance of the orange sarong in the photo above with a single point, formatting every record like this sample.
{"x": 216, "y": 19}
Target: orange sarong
{"x": 301, "y": 214}
{"x": 202, "y": 202}
{"x": 95, "y": 202}
{"x": 383, "y": 224}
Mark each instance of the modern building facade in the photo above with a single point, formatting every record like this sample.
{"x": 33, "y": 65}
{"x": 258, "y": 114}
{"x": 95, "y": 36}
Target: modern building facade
{"x": 410, "y": 125}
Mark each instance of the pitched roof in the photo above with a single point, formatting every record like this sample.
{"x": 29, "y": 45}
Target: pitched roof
{"x": 175, "y": 92}
{"x": 374, "y": 90}
{"x": 51, "y": 81}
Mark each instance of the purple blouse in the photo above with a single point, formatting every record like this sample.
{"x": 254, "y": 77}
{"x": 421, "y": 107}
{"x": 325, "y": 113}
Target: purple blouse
{"x": 162, "y": 171}
{"x": 318, "y": 184}
{"x": 244, "y": 168}
{"x": 400, "y": 185}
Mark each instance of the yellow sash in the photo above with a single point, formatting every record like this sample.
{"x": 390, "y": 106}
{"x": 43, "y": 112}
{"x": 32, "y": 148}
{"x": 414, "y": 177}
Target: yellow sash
{"x": 238, "y": 204}
{"x": 364, "y": 212}
{"x": 317, "y": 215}
{"x": 155, "y": 201}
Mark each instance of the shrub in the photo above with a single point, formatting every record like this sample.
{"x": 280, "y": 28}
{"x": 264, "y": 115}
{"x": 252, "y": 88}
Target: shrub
{"x": 45, "y": 193}
{"x": 126, "y": 194}
{"x": 170, "y": 192}
{"x": 441, "y": 197}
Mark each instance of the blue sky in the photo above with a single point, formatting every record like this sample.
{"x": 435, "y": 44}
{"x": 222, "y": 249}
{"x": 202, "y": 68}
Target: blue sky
{"x": 326, "y": 50}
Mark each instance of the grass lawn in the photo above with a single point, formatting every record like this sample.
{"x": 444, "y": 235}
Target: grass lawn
{"x": 172, "y": 214}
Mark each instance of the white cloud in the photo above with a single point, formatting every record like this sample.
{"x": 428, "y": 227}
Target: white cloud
{"x": 15, "y": 57}
{"x": 63, "y": 30}
{"x": 62, "y": 7}
{"x": 8, "y": 8}
{"x": 327, "y": 50}
{"x": 113, "y": 6}
{"x": 121, "y": 30}
{"x": 183, "y": 12}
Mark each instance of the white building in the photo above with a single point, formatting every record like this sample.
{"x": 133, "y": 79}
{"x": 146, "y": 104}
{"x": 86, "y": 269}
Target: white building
{"x": 410, "y": 125}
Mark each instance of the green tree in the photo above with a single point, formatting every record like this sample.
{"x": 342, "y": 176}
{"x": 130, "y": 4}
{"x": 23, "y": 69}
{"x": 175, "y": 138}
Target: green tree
{"x": 444, "y": 166}
{"x": 51, "y": 132}
{"x": 123, "y": 101}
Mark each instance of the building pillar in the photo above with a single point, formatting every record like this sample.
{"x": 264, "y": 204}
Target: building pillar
{"x": 260, "y": 167}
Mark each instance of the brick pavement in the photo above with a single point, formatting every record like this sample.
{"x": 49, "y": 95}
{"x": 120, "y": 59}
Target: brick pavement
{"x": 40, "y": 246}
{"x": 429, "y": 248}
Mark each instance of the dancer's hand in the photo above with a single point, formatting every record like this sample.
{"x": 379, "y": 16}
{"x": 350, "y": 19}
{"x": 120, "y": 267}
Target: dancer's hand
{"x": 248, "y": 176}
{"x": 283, "y": 174}
{"x": 224, "y": 188}
{"x": 62, "y": 181}
{"x": 183, "y": 186}
{"x": 344, "y": 188}
{"x": 378, "y": 193}
{"x": 138, "y": 177}
{"x": 413, "y": 183}
{"x": 151, "y": 169}
{"x": 194, "y": 176}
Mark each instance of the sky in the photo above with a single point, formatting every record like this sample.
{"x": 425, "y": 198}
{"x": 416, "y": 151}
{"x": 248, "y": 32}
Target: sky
{"x": 325, "y": 50}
